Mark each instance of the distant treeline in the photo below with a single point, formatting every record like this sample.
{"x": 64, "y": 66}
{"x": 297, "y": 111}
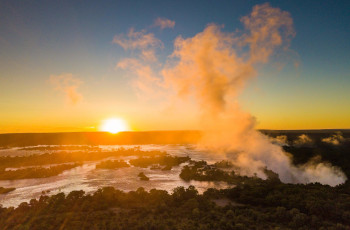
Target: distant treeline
{"x": 316, "y": 135}
{"x": 134, "y": 138}
{"x": 66, "y": 157}
{"x": 99, "y": 138}
{"x": 62, "y": 148}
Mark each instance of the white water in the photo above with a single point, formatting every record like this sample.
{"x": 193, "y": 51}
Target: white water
{"x": 89, "y": 179}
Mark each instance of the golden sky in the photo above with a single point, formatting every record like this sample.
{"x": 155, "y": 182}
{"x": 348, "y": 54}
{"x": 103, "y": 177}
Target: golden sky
{"x": 151, "y": 67}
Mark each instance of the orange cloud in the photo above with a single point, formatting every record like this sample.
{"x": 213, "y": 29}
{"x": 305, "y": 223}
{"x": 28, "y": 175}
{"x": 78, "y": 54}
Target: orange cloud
{"x": 67, "y": 84}
{"x": 208, "y": 68}
{"x": 146, "y": 82}
{"x": 268, "y": 28}
{"x": 212, "y": 68}
{"x": 146, "y": 43}
{"x": 164, "y": 23}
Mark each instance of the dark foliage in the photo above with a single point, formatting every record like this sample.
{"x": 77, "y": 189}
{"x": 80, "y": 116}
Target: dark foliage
{"x": 112, "y": 164}
{"x": 168, "y": 161}
{"x": 201, "y": 171}
{"x": 253, "y": 206}
{"x": 142, "y": 176}
{"x": 6, "y": 190}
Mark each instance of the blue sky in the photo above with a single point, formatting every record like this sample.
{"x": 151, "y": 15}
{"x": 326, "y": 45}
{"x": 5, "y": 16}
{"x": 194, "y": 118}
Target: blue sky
{"x": 43, "y": 38}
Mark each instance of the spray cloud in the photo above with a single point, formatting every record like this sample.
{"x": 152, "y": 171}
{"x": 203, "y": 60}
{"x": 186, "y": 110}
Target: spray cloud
{"x": 303, "y": 140}
{"x": 213, "y": 67}
{"x": 335, "y": 139}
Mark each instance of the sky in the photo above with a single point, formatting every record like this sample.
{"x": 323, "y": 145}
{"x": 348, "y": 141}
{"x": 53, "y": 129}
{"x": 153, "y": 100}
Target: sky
{"x": 61, "y": 64}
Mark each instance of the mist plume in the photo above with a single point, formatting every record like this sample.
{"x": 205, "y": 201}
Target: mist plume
{"x": 281, "y": 140}
{"x": 303, "y": 140}
{"x": 335, "y": 139}
{"x": 213, "y": 67}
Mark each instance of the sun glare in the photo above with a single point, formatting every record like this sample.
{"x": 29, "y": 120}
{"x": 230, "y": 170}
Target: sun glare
{"x": 114, "y": 125}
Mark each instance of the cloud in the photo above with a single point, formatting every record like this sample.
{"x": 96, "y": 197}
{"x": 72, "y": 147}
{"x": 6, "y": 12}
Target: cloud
{"x": 335, "y": 139}
{"x": 67, "y": 84}
{"x": 269, "y": 28}
{"x": 146, "y": 83}
{"x": 144, "y": 42}
{"x": 164, "y": 23}
{"x": 212, "y": 69}
{"x": 208, "y": 68}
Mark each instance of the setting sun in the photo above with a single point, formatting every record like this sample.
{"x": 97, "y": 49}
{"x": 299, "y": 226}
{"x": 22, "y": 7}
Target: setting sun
{"x": 114, "y": 125}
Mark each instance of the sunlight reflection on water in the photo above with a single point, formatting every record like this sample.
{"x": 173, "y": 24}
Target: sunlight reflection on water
{"x": 89, "y": 179}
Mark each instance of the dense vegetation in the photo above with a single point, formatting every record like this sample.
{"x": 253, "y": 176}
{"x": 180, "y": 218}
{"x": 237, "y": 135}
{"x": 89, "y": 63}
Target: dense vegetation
{"x": 252, "y": 205}
{"x": 142, "y": 176}
{"x": 35, "y": 172}
{"x": 201, "y": 171}
{"x": 166, "y": 160}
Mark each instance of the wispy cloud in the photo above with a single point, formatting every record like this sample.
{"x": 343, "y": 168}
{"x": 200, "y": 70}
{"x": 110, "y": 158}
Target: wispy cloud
{"x": 146, "y": 43}
{"x": 67, "y": 84}
{"x": 146, "y": 82}
{"x": 269, "y": 28}
{"x": 164, "y": 23}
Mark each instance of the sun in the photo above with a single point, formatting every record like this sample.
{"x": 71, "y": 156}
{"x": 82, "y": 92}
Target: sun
{"x": 114, "y": 125}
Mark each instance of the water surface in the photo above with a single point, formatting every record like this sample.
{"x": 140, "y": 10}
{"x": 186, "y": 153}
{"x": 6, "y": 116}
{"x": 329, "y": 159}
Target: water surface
{"x": 89, "y": 179}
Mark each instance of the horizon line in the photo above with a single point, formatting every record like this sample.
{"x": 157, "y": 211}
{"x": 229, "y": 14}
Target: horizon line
{"x": 185, "y": 130}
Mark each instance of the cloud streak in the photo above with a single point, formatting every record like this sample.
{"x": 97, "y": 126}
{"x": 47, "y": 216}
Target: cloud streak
{"x": 164, "y": 23}
{"x": 141, "y": 41}
{"x": 67, "y": 84}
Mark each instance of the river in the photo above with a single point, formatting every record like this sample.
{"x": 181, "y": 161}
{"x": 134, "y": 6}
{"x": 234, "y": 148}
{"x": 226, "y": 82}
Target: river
{"x": 89, "y": 179}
